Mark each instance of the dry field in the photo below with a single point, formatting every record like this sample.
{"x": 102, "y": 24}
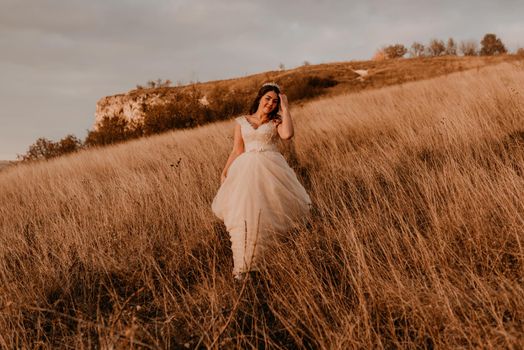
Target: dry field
{"x": 415, "y": 240}
{"x": 5, "y": 163}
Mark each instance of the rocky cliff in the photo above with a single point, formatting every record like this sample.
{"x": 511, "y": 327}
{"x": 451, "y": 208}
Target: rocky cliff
{"x": 132, "y": 104}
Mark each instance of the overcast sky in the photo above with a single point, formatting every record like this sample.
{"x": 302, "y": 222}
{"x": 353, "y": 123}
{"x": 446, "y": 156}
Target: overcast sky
{"x": 59, "y": 57}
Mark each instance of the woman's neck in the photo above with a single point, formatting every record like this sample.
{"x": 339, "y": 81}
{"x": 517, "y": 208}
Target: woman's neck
{"x": 261, "y": 116}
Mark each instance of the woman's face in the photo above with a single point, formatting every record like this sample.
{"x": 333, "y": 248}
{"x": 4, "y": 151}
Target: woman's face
{"x": 268, "y": 102}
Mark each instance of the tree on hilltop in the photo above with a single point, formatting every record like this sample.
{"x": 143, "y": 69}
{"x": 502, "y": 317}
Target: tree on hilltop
{"x": 491, "y": 45}
{"x": 469, "y": 48}
{"x": 395, "y": 51}
{"x": 417, "y": 49}
{"x": 436, "y": 47}
{"x": 451, "y": 47}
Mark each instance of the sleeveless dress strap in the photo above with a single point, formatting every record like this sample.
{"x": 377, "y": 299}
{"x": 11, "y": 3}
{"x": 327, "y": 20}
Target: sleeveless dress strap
{"x": 239, "y": 120}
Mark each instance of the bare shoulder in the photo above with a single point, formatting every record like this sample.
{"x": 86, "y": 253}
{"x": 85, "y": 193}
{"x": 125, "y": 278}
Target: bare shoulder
{"x": 237, "y": 129}
{"x": 238, "y": 140}
{"x": 239, "y": 119}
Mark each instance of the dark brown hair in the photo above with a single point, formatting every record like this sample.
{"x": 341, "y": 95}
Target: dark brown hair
{"x": 263, "y": 90}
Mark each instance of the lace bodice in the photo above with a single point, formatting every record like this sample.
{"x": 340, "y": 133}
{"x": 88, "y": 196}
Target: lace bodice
{"x": 263, "y": 138}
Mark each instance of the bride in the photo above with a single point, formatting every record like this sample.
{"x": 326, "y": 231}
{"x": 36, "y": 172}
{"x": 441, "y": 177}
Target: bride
{"x": 260, "y": 195}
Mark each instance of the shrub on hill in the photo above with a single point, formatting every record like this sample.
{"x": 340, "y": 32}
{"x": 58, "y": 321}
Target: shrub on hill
{"x": 308, "y": 87}
{"x": 112, "y": 130}
{"x": 184, "y": 111}
{"x": 44, "y": 148}
{"x": 225, "y": 103}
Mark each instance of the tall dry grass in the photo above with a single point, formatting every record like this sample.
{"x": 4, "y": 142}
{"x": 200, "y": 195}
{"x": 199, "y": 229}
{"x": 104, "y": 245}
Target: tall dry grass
{"x": 415, "y": 240}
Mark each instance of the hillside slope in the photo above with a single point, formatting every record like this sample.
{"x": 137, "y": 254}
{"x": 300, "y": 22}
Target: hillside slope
{"x": 132, "y": 104}
{"x": 4, "y": 164}
{"x": 414, "y": 241}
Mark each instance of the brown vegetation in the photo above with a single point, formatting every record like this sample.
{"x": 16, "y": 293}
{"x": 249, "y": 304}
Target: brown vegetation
{"x": 44, "y": 148}
{"x": 491, "y": 45}
{"x": 436, "y": 47}
{"x": 451, "y": 47}
{"x": 417, "y": 50}
{"x": 415, "y": 240}
{"x": 469, "y": 48}
{"x": 395, "y": 51}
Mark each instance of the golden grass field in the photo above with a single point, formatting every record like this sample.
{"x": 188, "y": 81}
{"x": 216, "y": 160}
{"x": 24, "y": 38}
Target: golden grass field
{"x": 5, "y": 163}
{"x": 415, "y": 240}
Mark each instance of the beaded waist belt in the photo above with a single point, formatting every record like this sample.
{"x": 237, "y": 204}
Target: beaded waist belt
{"x": 263, "y": 150}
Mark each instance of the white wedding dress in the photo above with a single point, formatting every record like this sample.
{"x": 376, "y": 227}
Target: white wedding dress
{"x": 260, "y": 197}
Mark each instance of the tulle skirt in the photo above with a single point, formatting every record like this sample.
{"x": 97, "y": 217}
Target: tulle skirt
{"x": 260, "y": 198}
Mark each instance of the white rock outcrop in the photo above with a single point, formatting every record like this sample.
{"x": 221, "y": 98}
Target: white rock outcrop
{"x": 131, "y": 105}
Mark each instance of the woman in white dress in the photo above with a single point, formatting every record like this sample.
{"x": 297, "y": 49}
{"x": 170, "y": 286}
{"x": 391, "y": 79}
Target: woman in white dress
{"x": 260, "y": 195}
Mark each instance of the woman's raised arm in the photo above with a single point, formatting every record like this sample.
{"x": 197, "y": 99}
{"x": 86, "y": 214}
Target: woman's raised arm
{"x": 285, "y": 127}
